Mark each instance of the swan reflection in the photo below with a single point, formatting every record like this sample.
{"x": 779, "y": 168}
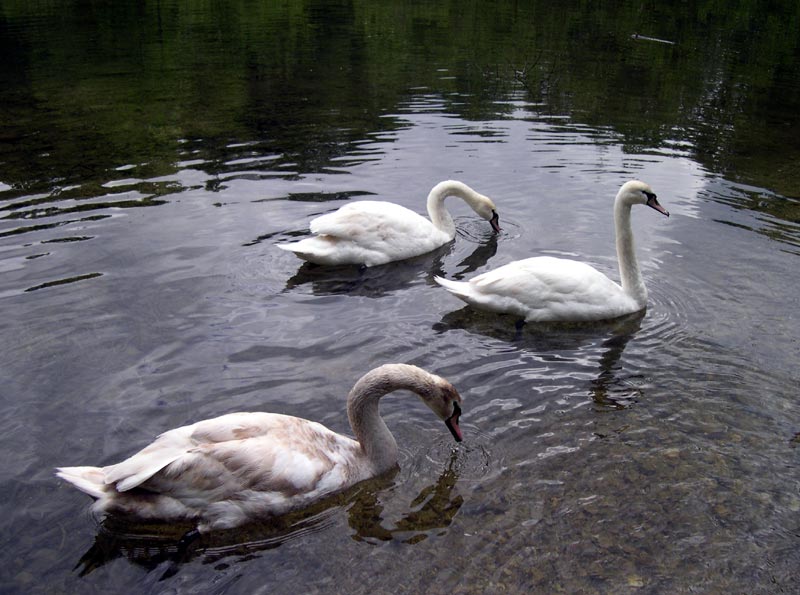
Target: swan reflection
{"x": 434, "y": 508}
{"x": 601, "y": 342}
{"x": 610, "y": 390}
{"x": 367, "y": 281}
{"x": 386, "y": 279}
{"x": 155, "y": 546}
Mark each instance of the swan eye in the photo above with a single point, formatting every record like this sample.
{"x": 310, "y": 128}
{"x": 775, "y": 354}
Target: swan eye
{"x": 495, "y": 222}
{"x": 456, "y": 410}
{"x": 649, "y": 195}
{"x": 452, "y": 423}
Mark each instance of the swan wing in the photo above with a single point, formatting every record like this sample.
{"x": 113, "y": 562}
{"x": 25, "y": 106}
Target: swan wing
{"x": 368, "y": 232}
{"x": 217, "y": 458}
{"x": 370, "y": 217}
{"x": 133, "y": 471}
{"x": 545, "y": 289}
{"x": 545, "y": 279}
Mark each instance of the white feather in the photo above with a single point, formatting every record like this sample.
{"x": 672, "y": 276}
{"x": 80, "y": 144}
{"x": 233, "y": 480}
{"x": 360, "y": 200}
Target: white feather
{"x": 556, "y": 289}
{"x": 371, "y": 233}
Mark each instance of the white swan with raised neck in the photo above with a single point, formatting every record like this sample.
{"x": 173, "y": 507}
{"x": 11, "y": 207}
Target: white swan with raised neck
{"x": 548, "y": 289}
{"x": 222, "y": 472}
{"x": 372, "y": 233}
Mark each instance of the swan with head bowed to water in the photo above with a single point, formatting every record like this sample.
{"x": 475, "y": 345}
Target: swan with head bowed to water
{"x": 547, "y": 289}
{"x": 222, "y": 472}
{"x": 371, "y": 232}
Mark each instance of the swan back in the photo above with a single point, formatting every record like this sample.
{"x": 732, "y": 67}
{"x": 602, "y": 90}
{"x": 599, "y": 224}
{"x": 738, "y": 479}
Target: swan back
{"x": 368, "y": 232}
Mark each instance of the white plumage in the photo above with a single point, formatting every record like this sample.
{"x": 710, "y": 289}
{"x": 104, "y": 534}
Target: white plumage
{"x": 225, "y": 471}
{"x": 371, "y": 233}
{"x": 556, "y": 289}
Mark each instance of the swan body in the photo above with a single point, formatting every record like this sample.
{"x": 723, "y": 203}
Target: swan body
{"x": 372, "y": 232}
{"x": 225, "y": 471}
{"x": 547, "y": 289}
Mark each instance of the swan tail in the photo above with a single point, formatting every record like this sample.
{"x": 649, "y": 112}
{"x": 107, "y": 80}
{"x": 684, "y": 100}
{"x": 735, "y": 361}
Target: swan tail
{"x": 135, "y": 470}
{"x": 89, "y": 480}
{"x": 301, "y": 249}
{"x": 288, "y": 247}
{"x": 471, "y": 293}
{"x": 458, "y": 288}
{"x": 295, "y": 247}
{"x": 317, "y": 249}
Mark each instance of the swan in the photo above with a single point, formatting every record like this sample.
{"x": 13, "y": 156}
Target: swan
{"x": 371, "y": 233}
{"x": 222, "y": 472}
{"x": 547, "y": 289}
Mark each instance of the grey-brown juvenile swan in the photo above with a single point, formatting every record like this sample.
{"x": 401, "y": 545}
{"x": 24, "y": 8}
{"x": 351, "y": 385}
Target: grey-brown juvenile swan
{"x": 222, "y": 472}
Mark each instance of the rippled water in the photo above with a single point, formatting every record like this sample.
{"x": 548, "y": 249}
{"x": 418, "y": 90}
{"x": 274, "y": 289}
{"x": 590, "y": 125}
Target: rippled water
{"x": 657, "y": 453}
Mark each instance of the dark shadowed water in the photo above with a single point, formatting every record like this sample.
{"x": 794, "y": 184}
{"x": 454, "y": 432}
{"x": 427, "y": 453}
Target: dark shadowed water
{"x": 151, "y": 156}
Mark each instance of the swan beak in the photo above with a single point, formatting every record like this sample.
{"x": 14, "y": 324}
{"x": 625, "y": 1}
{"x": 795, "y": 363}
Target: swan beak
{"x": 653, "y": 203}
{"x": 452, "y": 423}
{"x": 495, "y": 221}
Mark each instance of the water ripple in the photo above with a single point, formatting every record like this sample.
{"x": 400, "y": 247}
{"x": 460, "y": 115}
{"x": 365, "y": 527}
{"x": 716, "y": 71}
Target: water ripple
{"x": 476, "y": 231}
{"x": 471, "y": 460}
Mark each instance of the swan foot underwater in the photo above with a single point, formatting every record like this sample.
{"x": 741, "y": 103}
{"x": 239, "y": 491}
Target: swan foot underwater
{"x": 223, "y": 472}
{"x": 371, "y": 233}
{"x": 547, "y": 289}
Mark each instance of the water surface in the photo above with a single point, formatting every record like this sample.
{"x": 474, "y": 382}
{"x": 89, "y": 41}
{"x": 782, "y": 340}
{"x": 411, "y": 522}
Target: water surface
{"x": 150, "y": 159}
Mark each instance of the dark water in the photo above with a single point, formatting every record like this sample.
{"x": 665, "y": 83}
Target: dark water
{"x": 152, "y": 155}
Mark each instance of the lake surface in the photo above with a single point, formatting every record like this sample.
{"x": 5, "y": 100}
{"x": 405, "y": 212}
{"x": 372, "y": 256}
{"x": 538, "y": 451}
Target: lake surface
{"x": 152, "y": 155}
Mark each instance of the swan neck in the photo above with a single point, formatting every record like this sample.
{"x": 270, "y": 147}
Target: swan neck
{"x": 440, "y": 216}
{"x": 630, "y": 276}
{"x": 375, "y": 439}
{"x": 377, "y": 442}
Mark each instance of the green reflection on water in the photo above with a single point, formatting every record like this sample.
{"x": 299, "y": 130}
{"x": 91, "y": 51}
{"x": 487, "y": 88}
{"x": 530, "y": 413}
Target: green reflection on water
{"x": 88, "y": 87}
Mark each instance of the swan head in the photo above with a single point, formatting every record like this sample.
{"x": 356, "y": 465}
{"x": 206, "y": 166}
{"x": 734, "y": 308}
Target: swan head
{"x": 484, "y": 207}
{"x": 444, "y": 400}
{"x": 452, "y": 421}
{"x": 438, "y": 394}
{"x": 637, "y": 192}
{"x": 495, "y": 222}
{"x": 481, "y": 204}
